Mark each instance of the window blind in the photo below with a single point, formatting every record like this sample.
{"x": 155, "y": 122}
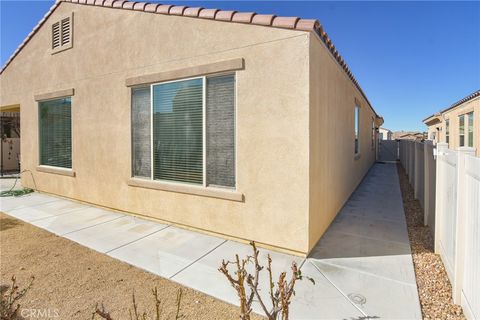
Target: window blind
{"x": 178, "y": 131}
{"x": 141, "y": 117}
{"x": 220, "y": 130}
{"x": 55, "y": 133}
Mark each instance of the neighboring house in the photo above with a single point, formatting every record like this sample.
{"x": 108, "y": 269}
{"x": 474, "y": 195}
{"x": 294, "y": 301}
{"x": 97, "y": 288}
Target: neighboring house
{"x": 227, "y": 122}
{"x": 384, "y": 134}
{"x": 408, "y": 135}
{"x": 457, "y": 125}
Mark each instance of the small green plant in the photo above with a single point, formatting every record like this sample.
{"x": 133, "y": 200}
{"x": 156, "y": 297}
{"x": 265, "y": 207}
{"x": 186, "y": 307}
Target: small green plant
{"x": 135, "y": 314}
{"x": 280, "y": 294}
{"x": 9, "y": 305}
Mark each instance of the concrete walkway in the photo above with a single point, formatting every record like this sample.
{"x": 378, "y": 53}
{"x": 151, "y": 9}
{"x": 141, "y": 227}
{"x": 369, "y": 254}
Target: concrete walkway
{"x": 362, "y": 266}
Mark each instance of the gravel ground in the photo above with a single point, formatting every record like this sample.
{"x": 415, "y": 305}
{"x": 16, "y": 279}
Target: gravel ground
{"x": 434, "y": 288}
{"x": 70, "y": 280}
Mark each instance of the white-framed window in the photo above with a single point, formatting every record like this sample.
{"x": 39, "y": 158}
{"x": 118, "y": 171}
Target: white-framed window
{"x": 461, "y": 130}
{"x": 447, "y": 131}
{"x": 357, "y": 129}
{"x": 470, "y": 129}
{"x": 183, "y": 131}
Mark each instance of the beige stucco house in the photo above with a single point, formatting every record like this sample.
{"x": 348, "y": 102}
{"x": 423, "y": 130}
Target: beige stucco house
{"x": 458, "y": 125}
{"x": 224, "y": 122}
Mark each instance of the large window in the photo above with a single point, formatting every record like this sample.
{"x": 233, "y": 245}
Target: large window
{"x": 461, "y": 130}
{"x": 55, "y": 132}
{"x": 184, "y": 131}
{"x": 470, "y": 129}
{"x": 357, "y": 129}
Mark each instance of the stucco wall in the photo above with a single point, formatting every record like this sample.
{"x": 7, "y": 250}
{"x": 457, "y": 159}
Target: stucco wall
{"x": 335, "y": 172}
{"x": 111, "y": 45}
{"x": 469, "y": 106}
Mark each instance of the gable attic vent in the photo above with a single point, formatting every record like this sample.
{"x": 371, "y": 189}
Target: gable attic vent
{"x": 62, "y": 34}
{"x": 56, "y": 35}
{"x": 65, "y": 35}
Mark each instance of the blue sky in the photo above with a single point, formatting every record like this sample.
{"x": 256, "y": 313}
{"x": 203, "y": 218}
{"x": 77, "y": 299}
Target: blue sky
{"x": 411, "y": 58}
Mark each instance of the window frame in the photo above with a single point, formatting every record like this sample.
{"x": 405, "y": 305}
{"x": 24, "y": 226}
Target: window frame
{"x": 356, "y": 129}
{"x": 49, "y": 168}
{"x": 470, "y": 115}
{"x": 460, "y": 133}
{"x": 204, "y": 184}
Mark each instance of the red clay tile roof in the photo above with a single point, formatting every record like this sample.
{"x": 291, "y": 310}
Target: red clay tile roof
{"x": 463, "y": 100}
{"x": 294, "y": 23}
{"x": 456, "y": 104}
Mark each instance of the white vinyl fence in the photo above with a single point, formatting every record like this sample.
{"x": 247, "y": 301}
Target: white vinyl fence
{"x": 418, "y": 160}
{"x": 447, "y": 184}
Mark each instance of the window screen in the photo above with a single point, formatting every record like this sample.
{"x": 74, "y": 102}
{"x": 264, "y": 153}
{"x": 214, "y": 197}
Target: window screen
{"x": 220, "y": 129}
{"x": 55, "y": 133}
{"x": 178, "y": 131}
{"x": 141, "y": 117}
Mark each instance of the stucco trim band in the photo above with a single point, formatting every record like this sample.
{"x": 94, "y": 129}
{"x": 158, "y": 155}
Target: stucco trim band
{"x": 204, "y": 69}
{"x": 55, "y": 94}
{"x": 56, "y": 170}
{"x": 188, "y": 189}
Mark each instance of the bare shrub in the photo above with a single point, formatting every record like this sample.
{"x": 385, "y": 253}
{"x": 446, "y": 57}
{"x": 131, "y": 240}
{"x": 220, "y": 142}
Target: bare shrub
{"x": 135, "y": 314}
{"x": 9, "y": 305}
{"x": 279, "y": 294}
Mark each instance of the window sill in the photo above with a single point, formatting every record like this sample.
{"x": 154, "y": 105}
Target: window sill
{"x": 56, "y": 170}
{"x": 358, "y": 156}
{"x": 187, "y": 189}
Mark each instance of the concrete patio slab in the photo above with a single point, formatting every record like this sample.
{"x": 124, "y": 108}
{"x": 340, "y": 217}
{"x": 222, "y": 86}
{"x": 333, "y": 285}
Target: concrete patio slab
{"x": 384, "y": 230}
{"x": 209, "y": 264}
{"x": 168, "y": 251}
{"x": 341, "y": 245}
{"x": 116, "y": 233}
{"x": 28, "y": 200}
{"x": 76, "y": 220}
{"x": 368, "y": 258}
{"x": 362, "y": 266}
{"x": 366, "y": 290}
{"x": 322, "y": 300}
{"x": 46, "y": 210}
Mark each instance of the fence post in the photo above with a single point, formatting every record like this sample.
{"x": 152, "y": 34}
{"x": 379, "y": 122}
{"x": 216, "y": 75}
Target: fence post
{"x": 412, "y": 164}
{"x": 441, "y": 151}
{"x": 417, "y": 163}
{"x": 460, "y": 223}
{"x": 426, "y": 181}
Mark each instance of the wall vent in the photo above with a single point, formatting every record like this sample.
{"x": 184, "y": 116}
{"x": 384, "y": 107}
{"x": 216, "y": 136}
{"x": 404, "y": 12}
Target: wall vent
{"x": 62, "y": 34}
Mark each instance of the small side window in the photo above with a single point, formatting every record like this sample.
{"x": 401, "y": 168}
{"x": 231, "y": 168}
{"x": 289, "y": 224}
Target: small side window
{"x": 357, "y": 130}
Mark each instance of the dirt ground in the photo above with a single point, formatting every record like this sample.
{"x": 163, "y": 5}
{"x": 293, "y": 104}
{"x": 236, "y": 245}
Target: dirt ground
{"x": 70, "y": 280}
{"x": 434, "y": 288}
